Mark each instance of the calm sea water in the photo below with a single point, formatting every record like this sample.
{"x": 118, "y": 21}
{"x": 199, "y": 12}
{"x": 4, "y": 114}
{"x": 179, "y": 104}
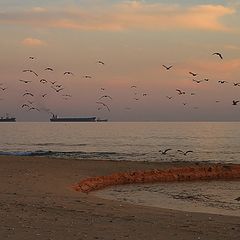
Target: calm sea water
{"x": 214, "y": 142}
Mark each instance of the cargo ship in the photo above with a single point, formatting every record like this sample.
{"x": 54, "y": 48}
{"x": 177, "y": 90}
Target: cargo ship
{"x": 7, "y": 119}
{"x": 55, "y": 118}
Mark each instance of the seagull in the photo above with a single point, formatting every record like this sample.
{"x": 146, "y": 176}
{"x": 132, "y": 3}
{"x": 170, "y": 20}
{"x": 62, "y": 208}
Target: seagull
{"x": 67, "y": 95}
{"x": 68, "y": 73}
{"x": 44, "y": 95}
{"x": 105, "y": 96}
{"x": 29, "y": 70}
{"x": 164, "y": 152}
{"x": 206, "y": 79}
{"x": 167, "y": 68}
{"x": 192, "y": 94}
{"x": 57, "y": 90}
{"x": 58, "y": 86}
{"x": 184, "y": 104}
{"x": 28, "y": 93}
{"x": 193, "y": 74}
{"x": 53, "y": 82}
{"x": 218, "y": 54}
{"x": 136, "y": 99}
{"x": 180, "y": 92}
{"x": 235, "y": 102}
{"x": 105, "y": 105}
{"x": 169, "y": 97}
{"x": 197, "y": 81}
{"x": 102, "y": 89}
{"x": 25, "y": 105}
{"x": 25, "y": 81}
{"x": 3, "y": 88}
{"x": 101, "y": 62}
{"x": 144, "y": 94}
{"x": 33, "y": 108}
{"x": 220, "y": 81}
{"x": 87, "y": 76}
{"x": 185, "y": 153}
{"x": 43, "y": 81}
{"x": 236, "y": 84}
{"x": 31, "y": 58}
{"x": 133, "y": 86}
{"x": 48, "y": 69}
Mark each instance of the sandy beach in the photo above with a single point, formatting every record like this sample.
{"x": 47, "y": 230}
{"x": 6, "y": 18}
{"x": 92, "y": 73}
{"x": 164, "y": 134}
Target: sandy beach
{"x": 38, "y": 202}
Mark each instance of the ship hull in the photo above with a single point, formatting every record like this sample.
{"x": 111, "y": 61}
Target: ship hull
{"x": 90, "y": 119}
{"x": 7, "y": 119}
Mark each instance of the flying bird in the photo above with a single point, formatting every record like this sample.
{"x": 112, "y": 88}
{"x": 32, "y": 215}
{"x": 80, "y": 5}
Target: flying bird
{"x": 236, "y": 84}
{"x": 197, "y": 81}
{"x": 169, "y": 97}
{"x": 164, "y": 152}
{"x": 193, "y": 74}
{"x": 31, "y": 71}
{"x": 185, "y": 153}
{"x": 44, "y": 95}
{"x": 235, "y": 102}
{"x": 87, "y": 76}
{"x": 101, "y": 62}
{"x": 218, "y": 54}
{"x": 25, "y": 105}
{"x": 43, "y": 81}
{"x": 105, "y": 105}
{"x": 57, "y": 90}
{"x": 102, "y": 89}
{"x": 48, "y": 69}
{"x": 3, "y": 88}
{"x": 28, "y": 93}
{"x": 53, "y": 82}
{"x": 220, "y": 81}
{"x": 25, "y": 81}
{"x": 133, "y": 86}
{"x": 105, "y": 96}
{"x": 180, "y": 92}
{"x": 31, "y": 58}
{"x": 33, "y": 108}
{"x": 144, "y": 94}
{"x": 68, "y": 73}
{"x": 167, "y": 68}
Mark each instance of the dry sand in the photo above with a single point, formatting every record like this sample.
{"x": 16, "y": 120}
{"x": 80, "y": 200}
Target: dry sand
{"x": 37, "y": 202}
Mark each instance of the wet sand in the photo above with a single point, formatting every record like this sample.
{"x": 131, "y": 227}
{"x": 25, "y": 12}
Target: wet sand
{"x": 37, "y": 202}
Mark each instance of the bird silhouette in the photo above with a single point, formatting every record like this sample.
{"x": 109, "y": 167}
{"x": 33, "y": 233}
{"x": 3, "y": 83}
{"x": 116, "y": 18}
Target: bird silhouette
{"x": 101, "y": 62}
{"x": 193, "y": 74}
{"x": 68, "y": 73}
{"x": 185, "y": 153}
{"x": 28, "y": 93}
{"x": 197, "y": 81}
{"x": 222, "y": 81}
{"x": 53, "y": 82}
{"x": 235, "y": 102}
{"x": 218, "y": 54}
{"x": 87, "y": 76}
{"x": 133, "y": 86}
{"x": 31, "y": 58}
{"x": 31, "y": 71}
{"x": 44, "y": 95}
{"x": 167, "y": 68}
{"x": 164, "y": 152}
{"x": 33, "y": 108}
{"x": 2, "y": 88}
{"x": 169, "y": 97}
{"x": 48, "y": 69}
{"x": 43, "y": 81}
{"x": 236, "y": 84}
{"x": 180, "y": 92}
{"x": 25, "y": 81}
{"x": 144, "y": 94}
{"x": 25, "y": 105}
{"x": 105, "y": 96}
{"x": 104, "y": 104}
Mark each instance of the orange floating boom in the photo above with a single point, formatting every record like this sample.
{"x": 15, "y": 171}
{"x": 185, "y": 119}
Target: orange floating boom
{"x": 215, "y": 172}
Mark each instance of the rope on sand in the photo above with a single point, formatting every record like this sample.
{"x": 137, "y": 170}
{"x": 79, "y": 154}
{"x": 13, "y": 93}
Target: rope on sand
{"x": 215, "y": 172}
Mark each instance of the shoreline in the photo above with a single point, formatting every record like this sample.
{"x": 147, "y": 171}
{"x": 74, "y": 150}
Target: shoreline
{"x": 37, "y": 201}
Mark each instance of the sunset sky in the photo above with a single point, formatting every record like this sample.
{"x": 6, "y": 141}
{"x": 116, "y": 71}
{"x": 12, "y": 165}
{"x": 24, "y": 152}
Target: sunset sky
{"x": 134, "y": 39}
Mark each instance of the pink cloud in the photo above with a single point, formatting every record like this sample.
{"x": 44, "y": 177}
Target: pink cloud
{"x": 33, "y": 42}
{"x": 125, "y": 16}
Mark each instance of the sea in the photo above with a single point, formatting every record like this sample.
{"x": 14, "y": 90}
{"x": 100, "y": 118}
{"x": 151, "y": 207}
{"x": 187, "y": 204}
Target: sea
{"x": 213, "y": 142}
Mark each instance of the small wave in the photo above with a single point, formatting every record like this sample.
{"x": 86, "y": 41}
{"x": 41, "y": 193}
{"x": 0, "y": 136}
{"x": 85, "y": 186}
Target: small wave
{"x": 76, "y": 154}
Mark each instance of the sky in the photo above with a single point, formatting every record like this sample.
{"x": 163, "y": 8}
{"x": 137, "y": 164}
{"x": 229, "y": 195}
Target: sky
{"x": 134, "y": 39}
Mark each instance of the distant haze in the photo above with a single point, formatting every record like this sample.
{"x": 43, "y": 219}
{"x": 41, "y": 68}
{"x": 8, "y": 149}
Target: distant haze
{"x": 133, "y": 39}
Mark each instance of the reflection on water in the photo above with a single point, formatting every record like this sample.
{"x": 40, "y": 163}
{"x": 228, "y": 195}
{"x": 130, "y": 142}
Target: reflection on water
{"x": 218, "y": 197}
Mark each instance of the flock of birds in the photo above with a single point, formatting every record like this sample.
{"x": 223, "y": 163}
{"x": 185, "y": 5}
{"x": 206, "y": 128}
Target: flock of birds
{"x": 103, "y": 102}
